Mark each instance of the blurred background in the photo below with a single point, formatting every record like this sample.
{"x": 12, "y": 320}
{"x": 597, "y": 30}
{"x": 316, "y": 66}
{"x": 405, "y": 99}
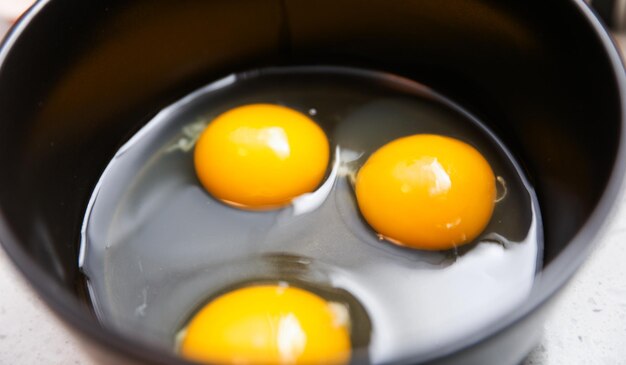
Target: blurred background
{"x": 588, "y": 325}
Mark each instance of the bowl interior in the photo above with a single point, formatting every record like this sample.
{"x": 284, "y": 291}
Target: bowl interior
{"x": 78, "y": 78}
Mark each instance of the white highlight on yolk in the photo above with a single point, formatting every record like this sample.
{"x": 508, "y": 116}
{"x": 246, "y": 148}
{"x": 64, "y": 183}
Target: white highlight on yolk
{"x": 291, "y": 338}
{"x": 427, "y": 171}
{"x": 453, "y": 224}
{"x": 441, "y": 177}
{"x": 341, "y": 316}
{"x": 272, "y": 137}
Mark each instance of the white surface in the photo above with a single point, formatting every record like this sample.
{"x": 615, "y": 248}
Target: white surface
{"x": 587, "y": 327}
{"x": 29, "y": 333}
{"x": 588, "y": 324}
{"x": 11, "y": 9}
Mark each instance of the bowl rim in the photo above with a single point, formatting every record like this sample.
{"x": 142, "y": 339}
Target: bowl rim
{"x": 553, "y": 277}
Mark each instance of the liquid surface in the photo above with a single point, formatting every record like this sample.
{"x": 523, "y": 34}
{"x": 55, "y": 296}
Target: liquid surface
{"x": 156, "y": 246}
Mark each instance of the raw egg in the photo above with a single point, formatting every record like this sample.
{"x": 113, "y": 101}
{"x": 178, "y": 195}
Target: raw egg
{"x": 261, "y": 156}
{"x": 269, "y": 324}
{"x": 159, "y": 252}
{"x": 426, "y": 191}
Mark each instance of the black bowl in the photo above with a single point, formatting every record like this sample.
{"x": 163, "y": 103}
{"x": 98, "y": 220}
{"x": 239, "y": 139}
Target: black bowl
{"x": 77, "y": 78}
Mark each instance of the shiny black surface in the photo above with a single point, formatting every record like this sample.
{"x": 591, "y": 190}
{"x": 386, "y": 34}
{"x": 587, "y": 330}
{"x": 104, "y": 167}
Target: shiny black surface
{"x": 77, "y": 78}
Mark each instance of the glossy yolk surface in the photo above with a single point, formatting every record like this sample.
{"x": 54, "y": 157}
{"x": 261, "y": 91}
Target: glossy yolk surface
{"x": 261, "y": 156}
{"x": 269, "y": 324}
{"x": 427, "y": 191}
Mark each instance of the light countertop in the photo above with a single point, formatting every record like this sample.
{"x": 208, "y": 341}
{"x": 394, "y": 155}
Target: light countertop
{"x": 586, "y": 327}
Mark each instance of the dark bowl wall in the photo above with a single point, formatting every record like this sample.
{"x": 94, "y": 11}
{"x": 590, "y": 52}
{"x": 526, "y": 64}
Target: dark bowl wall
{"x": 79, "y": 77}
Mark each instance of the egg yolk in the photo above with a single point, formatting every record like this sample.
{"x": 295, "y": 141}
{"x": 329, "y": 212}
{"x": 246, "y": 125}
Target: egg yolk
{"x": 261, "y": 156}
{"x": 269, "y": 324}
{"x": 426, "y": 191}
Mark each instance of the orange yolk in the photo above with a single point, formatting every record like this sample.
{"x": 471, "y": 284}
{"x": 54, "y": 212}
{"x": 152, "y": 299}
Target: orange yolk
{"x": 426, "y": 191}
{"x": 261, "y": 156}
{"x": 268, "y": 324}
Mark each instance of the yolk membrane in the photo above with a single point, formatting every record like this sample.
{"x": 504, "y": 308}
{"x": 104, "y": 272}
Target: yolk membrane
{"x": 427, "y": 191}
{"x": 269, "y": 324}
{"x": 261, "y": 156}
